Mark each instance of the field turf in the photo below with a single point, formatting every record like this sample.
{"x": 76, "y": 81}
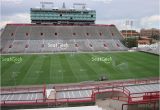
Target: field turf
{"x": 75, "y": 67}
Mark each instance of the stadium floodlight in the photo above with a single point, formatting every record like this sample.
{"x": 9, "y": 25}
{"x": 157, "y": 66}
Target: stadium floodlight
{"x": 80, "y": 4}
{"x": 46, "y": 3}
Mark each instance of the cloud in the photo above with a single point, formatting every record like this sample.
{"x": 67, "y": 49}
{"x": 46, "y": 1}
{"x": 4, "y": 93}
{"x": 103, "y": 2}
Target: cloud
{"x": 120, "y": 23}
{"x": 3, "y": 23}
{"x": 150, "y": 20}
{"x": 12, "y": 1}
{"x": 104, "y": 1}
{"x": 17, "y": 18}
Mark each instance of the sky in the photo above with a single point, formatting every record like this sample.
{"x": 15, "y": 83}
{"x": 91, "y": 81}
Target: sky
{"x": 143, "y": 13}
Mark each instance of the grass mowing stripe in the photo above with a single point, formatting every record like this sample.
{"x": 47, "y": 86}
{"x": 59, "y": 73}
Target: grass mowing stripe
{"x": 14, "y": 72}
{"x": 67, "y": 73}
{"x": 28, "y": 60}
{"x": 70, "y": 63}
{"x": 33, "y": 73}
{"x": 82, "y": 61}
{"x": 52, "y": 68}
{"x": 5, "y": 66}
{"x": 44, "y": 75}
{"x": 64, "y": 68}
{"x": 144, "y": 57}
{"x": 79, "y": 71}
{"x": 58, "y": 70}
{"x": 123, "y": 65}
{"x": 134, "y": 64}
{"x": 109, "y": 70}
{"x": 11, "y": 75}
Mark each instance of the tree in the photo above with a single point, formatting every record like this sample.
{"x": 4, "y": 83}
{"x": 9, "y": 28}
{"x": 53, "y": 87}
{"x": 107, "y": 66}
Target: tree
{"x": 130, "y": 42}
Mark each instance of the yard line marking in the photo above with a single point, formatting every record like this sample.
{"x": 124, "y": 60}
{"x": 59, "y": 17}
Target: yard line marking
{"x": 20, "y": 97}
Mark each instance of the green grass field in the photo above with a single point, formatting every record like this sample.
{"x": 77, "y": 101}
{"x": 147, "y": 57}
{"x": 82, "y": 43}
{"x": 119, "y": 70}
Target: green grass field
{"x": 68, "y": 68}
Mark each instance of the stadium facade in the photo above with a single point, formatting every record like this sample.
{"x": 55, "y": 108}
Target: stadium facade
{"x": 63, "y": 16}
{"x": 71, "y": 31}
{"x": 33, "y": 38}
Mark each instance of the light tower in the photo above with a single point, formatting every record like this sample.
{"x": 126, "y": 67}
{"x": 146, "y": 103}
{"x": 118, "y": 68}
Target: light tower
{"x": 80, "y": 4}
{"x": 46, "y": 3}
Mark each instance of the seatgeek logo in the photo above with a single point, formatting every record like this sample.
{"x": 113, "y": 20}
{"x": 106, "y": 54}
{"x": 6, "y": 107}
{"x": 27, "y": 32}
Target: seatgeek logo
{"x": 58, "y": 45}
{"x": 106, "y": 60}
{"x": 15, "y": 60}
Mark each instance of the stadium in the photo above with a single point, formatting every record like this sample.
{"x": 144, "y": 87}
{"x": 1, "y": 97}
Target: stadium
{"x": 64, "y": 61}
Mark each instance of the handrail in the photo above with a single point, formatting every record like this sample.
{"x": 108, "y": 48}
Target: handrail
{"x": 95, "y": 90}
{"x": 25, "y": 24}
{"x": 115, "y": 84}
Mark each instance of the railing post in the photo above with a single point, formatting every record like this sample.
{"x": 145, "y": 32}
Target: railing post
{"x": 154, "y": 106}
{"x": 122, "y": 106}
{"x": 123, "y": 89}
{"x": 129, "y": 98}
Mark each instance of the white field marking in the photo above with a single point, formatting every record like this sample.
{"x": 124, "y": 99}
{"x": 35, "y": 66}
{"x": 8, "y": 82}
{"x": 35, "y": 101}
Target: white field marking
{"x": 20, "y": 97}
{"x": 80, "y": 94}
{"x": 12, "y": 96}
{"x": 7, "y": 97}
{"x": 62, "y": 75}
{"x": 31, "y": 96}
{"x": 87, "y": 93}
{"x": 82, "y": 69}
{"x": 27, "y": 96}
{"x": 73, "y": 94}
{"x": 59, "y": 71}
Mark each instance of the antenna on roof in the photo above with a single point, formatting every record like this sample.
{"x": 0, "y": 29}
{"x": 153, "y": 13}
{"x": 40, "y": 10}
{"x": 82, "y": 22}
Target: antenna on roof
{"x": 80, "y": 4}
{"x": 45, "y": 3}
{"x": 63, "y": 6}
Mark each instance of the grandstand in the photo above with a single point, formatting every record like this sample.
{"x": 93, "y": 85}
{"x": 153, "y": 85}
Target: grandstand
{"x": 153, "y": 48}
{"x": 69, "y": 31}
{"x": 131, "y": 92}
{"x": 33, "y": 38}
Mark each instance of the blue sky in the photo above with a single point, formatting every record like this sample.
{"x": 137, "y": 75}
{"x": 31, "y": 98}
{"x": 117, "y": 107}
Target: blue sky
{"x": 143, "y": 13}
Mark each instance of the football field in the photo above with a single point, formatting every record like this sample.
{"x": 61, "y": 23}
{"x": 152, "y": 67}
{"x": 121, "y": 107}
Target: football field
{"x": 76, "y": 67}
